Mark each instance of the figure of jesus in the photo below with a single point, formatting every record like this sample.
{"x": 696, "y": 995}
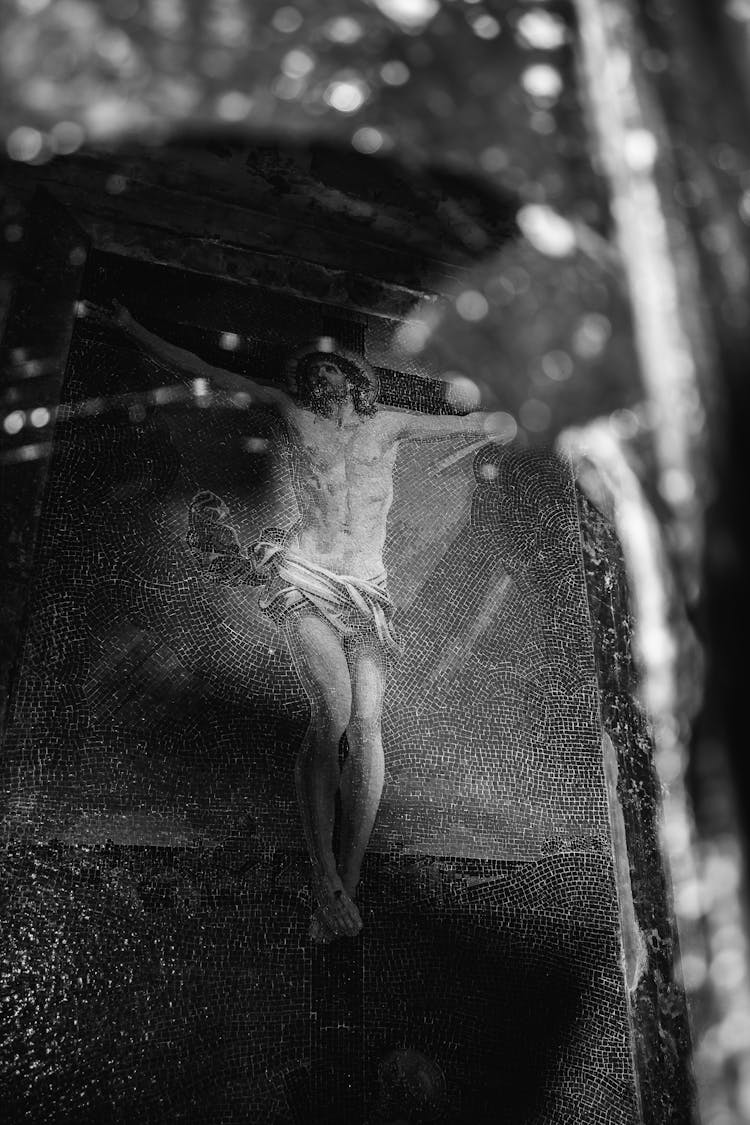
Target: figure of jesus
{"x": 325, "y": 584}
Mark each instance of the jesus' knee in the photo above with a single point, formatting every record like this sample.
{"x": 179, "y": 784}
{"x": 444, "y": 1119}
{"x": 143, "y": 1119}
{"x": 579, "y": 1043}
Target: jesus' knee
{"x": 364, "y": 731}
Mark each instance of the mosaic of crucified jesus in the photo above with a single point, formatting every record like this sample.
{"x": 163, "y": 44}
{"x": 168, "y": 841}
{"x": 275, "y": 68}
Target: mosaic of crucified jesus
{"x": 324, "y": 583}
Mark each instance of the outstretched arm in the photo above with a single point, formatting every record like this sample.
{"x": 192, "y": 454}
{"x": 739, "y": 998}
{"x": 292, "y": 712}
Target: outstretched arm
{"x": 410, "y": 425}
{"x": 182, "y": 361}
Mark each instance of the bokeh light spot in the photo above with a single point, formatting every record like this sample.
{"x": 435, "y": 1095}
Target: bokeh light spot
{"x": 542, "y": 122}
{"x": 297, "y": 63}
{"x": 500, "y": 290}
{"x": 111, "y": 115}
{"x": 500, "y": 426}
{"x": 24, "y": 143}
{"x": 548, "y": 231}
{"x": 32, "y": 7}
{"x": 66, "y": 137}
{"x": 727, "y": 969}
{"x": 368, "y": 140}
{"x": 412, "y": 335}
{"x": 234, "y": 106}
{"x": 288, "y": 88}
{"x": 241, "y": 398}
{"x": 287, "y": 20}
{"x": 624, "y": 423}
{"x": 557, "y": 365}
{"x": 726, "y": 157}
{"x": 535, "y": 415}
{"x": 395, "y": 73}
{"x": 744, "y": 207}
{"x": 472, "y": 305}
{"x": 542, "y": 82}
{"x": 461, "y": 390}
{"x": 344, "y": 29}
{"x": 346, "y": 96}
{"x": 485, "y": 26}
{"x": 39, "y": 417}
{"x": 14, "y": 422}
{"x": 114, "y": 47}
{"x": 591, "y": 335}
{"x": 409, "y": 14}
{"x": 494, "y": 159}
{"x": 541, "y": 30}
{"x": 230, "y": 341}
{"x": 641, "y": 150}
{"x": 676, "y": 486}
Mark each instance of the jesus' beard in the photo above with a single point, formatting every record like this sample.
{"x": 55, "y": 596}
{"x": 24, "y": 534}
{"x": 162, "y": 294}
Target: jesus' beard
{"x": 327, "y": 404}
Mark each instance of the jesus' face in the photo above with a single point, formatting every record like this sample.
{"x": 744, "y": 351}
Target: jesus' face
{"x": 328, "y": 383}
{"x": 326, "y": 386}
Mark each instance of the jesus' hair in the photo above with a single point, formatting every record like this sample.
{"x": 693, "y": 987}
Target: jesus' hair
{"x": 364, "y": 392}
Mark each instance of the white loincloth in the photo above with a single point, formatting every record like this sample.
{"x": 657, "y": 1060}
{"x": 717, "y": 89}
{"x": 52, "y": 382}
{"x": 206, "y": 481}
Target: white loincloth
{"x": 350, "y": 605}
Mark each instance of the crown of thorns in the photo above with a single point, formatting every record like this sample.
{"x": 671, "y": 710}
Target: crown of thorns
{"x": 327, "y": 348}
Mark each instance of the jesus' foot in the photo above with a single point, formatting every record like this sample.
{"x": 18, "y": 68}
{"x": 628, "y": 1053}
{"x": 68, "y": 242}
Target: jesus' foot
{"x": 336, "y": 916}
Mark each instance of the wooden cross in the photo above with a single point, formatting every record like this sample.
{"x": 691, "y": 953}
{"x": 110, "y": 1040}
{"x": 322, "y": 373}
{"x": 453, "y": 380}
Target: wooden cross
{"x": 253, "y": 354}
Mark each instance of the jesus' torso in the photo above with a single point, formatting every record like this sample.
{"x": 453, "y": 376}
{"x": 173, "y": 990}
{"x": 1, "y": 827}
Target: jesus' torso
{"x": 342, "y": 477}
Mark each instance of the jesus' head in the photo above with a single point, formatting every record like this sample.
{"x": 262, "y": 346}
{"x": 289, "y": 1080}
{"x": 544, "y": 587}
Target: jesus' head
{"x": 325, "y": 375}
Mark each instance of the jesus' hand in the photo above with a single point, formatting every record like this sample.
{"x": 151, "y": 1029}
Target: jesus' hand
{"x": 116, "y": 314}
{"x": 122, "y": 316}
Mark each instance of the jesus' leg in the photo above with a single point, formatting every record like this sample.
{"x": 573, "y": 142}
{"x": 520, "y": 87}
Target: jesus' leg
{"x": 322, "y": 667}
{"x": 364, "y": 768}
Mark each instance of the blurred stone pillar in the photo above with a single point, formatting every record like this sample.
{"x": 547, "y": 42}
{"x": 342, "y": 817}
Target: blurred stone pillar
{"x": 669, "y": 119}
